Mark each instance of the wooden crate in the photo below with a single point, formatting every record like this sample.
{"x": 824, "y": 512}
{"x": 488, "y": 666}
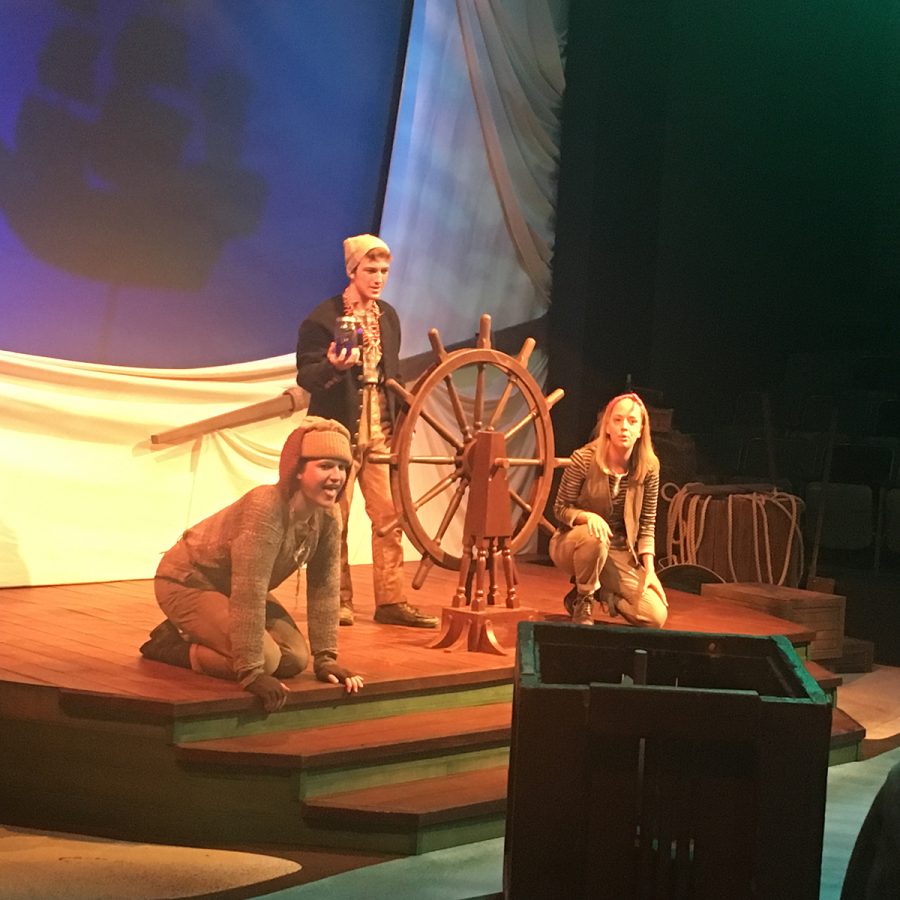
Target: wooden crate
{"x": 820, "y": 611}
{"x": 663, "y": 764}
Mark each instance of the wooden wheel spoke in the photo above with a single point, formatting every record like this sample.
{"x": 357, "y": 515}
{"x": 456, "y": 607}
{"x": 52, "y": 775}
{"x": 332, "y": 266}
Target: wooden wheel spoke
{"x": 525, "y": 352}
{"x": 524, "y": 461}
{"x": 437, "y": 345}
{"x": 458, "y": 411}
{"x": 547, "y": 525}
{"x": 442, "y": 431}
{"x": 522, "y": 359}
{"x": 525, "y": 420}
{"x": 433, "y": 460}
{"x": 484, "y": 332}
{"x": 554, "y": 398}
{"x": 500, "y": 408}
{"x": 425, "y": 565}
{"x": 478, "y": 415}
{"x": 436, "y": 489}
{"x": 520, "y": 501}
{"x": 450, "y": 512}
{"x": 395, "y": 387}
{"x": 528, "y": 509}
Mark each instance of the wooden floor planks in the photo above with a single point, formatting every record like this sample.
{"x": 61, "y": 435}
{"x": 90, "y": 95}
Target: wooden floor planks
{"x": 86, "y": 637}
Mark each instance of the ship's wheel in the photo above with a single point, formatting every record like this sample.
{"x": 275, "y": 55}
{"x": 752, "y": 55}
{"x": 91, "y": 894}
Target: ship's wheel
{"x": 493, "y": 406}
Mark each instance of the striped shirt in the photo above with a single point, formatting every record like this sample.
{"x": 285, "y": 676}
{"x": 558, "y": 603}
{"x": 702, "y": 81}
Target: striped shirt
{"x": 566, "y": 507}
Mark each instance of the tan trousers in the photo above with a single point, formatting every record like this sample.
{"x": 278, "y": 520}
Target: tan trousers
{"x": 598, "y": 567}
{"x": 203, "y": 617}
{"x": 387, "y": 552}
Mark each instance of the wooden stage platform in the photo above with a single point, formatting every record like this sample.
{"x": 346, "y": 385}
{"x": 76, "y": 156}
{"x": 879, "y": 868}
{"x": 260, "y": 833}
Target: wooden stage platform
{"x": 97, "y": 740}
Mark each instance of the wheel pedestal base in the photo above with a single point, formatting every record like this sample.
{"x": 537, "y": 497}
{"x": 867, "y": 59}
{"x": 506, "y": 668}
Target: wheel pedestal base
{"x": 482, "y": 631}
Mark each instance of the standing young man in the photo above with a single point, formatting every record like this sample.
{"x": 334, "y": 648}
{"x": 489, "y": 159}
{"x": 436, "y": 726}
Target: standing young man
{"x": 347, "y": 384}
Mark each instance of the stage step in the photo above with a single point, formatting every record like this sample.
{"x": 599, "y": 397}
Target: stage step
{"x": 430, "y": 742}
{"x": 412, "y": 782}
{"x": 406, "y": 783}
{"x": 827, "y": 680}
{"x": 422, "y": 815}
{"x": 846, "y": 738}
{"x": 305, "y": 713}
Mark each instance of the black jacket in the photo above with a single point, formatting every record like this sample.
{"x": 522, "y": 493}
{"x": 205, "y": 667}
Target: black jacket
{"x": 333, "y": 394}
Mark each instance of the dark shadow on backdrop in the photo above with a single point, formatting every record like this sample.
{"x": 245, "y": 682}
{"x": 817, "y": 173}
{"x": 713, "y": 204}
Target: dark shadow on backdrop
{"x": 111, "y": 199}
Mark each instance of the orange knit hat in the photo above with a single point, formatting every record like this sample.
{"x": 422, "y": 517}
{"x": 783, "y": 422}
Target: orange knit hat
{"x": 316, "y": 438}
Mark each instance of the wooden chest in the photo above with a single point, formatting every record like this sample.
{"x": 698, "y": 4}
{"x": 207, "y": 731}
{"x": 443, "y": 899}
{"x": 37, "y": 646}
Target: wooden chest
{"x": 653, "y": 763}
{"x": 819, "y": 611}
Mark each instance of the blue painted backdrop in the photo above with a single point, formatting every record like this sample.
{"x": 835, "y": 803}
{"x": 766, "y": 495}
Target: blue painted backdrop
{"x": 176, "y": 177}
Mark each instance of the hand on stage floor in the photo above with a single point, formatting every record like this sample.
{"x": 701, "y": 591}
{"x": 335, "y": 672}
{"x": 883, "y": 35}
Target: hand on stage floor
{"x": 331, "y": 672}
{"x": 270, "y": 690}
{"x": 352, "y": 683}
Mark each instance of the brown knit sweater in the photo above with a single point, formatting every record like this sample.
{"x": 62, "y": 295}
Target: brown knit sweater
{"x": 247, "y": 549}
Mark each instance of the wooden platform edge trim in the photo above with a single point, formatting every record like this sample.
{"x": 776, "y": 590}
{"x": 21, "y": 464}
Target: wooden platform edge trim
{"x": 845, "y": 730}
{"x": 146, "y": 710}
{"x": 143, "y": 710}
{"x": 393, "y": 820}
{"x": 481, "y": 740}
{"x": 474, "y": 794}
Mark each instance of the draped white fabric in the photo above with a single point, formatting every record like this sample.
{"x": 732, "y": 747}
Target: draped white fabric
{"x": 470, "y": 206}
{"x": 516, "y": 71}
{"x": 85, "y": 496}
{"x": 469, "y": 209}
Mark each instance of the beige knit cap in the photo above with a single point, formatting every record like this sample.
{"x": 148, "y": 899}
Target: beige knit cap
{"x": 355, "y": 248}
{"x": 316, "y": 438}
{"x": 326, "y": 445}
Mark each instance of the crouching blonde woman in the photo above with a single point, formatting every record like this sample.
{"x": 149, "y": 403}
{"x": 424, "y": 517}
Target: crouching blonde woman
{"x": 606, "y": 507}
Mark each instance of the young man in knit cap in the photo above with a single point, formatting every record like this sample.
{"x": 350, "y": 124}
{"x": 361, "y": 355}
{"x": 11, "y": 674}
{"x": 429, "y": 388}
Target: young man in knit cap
{"x": 214, "y": 584}
{"x": 348, "y": 385}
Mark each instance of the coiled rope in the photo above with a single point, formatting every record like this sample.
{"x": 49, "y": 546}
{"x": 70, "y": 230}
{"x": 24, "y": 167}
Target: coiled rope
{"x": 686, "y": 527}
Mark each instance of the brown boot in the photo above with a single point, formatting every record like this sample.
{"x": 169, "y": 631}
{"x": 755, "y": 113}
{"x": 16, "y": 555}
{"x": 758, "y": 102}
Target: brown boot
{"x": 166, "y": 645}
{"x": 584, "y": 610}
{"x": 570, "y": 600}
{"x": 404, "y": 614}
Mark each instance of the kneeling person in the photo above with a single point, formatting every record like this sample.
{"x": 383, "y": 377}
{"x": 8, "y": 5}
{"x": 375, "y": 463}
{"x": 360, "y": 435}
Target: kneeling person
{"x": 606, "y": 507}
{"x": 214, "y": 584}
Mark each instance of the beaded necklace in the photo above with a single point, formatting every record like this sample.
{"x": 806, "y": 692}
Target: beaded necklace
{"x": 370, "y": 323}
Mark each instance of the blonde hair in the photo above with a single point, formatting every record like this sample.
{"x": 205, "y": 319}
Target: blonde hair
{"x": 643, "y": 458}
{"x": 375, "y": 255}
